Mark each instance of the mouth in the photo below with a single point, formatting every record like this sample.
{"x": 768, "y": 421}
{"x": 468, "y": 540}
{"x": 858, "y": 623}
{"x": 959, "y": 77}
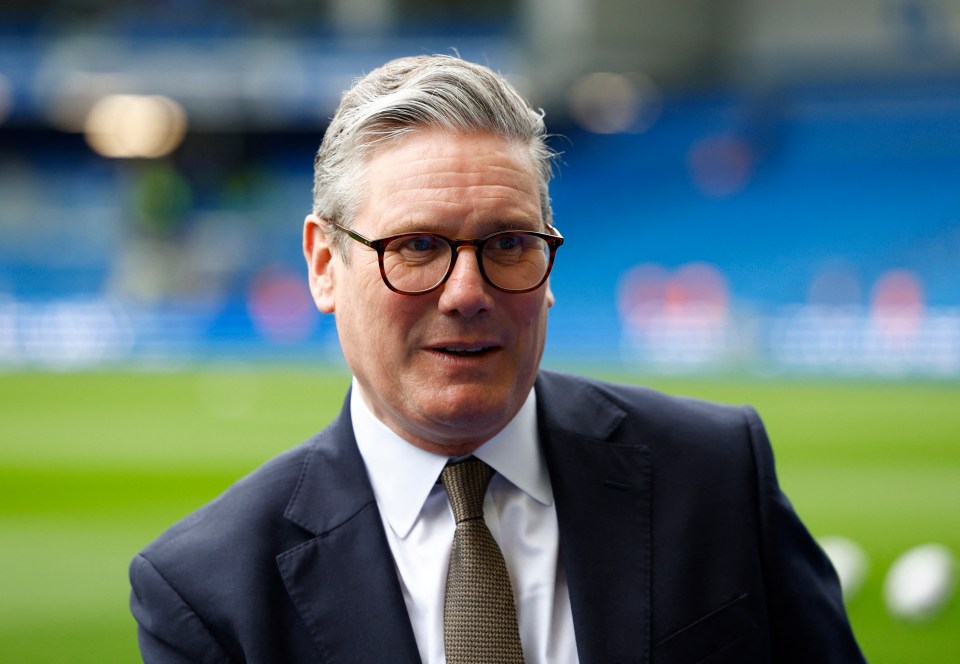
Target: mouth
{"x": 473, "y": 350}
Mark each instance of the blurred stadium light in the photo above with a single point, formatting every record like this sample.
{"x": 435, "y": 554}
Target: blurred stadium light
{"x": 804, "y": 153}
{"x": 146, "y": 126}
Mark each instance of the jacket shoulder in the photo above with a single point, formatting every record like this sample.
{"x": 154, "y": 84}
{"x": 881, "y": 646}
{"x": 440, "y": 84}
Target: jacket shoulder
{"x": 253, "y": 504}
{"x": 572, "y": 402}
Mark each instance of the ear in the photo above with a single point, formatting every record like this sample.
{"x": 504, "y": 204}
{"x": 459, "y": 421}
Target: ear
{"x": 318, "y": 252}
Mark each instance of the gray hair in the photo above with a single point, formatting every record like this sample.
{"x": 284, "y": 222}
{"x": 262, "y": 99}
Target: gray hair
{"x": 414, "y": 93}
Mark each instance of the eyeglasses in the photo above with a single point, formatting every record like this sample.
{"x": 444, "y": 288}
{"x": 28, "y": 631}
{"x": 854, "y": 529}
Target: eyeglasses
{"x": 418, "y": 263}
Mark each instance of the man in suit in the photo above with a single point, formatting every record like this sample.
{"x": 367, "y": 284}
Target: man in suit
{"x": 631, "y": 526}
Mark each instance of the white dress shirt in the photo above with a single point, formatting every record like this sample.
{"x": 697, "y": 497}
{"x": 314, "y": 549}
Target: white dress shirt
{"x": 518, "y": 508}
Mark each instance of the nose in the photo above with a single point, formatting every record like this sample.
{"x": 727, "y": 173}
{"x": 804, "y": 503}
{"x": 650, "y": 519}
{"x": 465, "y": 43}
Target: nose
{"x": 466, "y": 291}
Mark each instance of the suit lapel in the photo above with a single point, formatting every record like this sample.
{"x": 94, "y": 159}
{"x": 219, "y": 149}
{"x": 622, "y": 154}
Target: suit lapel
{"x": 603, "y": 493}
{"x": 342, "y": 581}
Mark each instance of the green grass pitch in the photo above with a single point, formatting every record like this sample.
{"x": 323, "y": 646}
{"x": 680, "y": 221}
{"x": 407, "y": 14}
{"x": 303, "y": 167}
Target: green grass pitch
{"x": 94, "y": 465}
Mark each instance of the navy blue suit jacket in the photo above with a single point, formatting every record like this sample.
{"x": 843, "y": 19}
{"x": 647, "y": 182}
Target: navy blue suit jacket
{"x": 677, "y": 543}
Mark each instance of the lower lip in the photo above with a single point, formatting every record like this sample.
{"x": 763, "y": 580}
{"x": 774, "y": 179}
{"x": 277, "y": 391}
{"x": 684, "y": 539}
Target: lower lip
{"x": 471, "y": 359}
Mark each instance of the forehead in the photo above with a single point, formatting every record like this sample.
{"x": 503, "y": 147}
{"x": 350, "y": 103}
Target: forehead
{"x": 436, "y": 179}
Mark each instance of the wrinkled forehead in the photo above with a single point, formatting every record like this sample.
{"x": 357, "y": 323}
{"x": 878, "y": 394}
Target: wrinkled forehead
{"x": 434, "y": 175}
{"x": 457, "y": 151}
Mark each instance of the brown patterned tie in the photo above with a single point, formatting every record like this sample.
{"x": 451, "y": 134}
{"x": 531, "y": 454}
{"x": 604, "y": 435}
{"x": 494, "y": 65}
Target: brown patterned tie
{"x": 479, "y": 616}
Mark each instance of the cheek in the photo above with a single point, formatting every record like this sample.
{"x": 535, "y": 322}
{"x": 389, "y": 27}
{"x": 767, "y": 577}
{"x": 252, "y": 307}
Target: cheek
{"x": 358, "y": 297}
{"x": 370, "y": 283}
{"x": 374, "y": 323}
{"x": 531, "y": 320}
{"x": 530, "y": 344}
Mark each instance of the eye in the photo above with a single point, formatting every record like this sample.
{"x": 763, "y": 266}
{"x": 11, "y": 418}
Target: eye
{"x": 509, "y": 246}
{"x": 507, "y": 242}
{"x": 418, "y": 248}
{"x": 420, "y": 244}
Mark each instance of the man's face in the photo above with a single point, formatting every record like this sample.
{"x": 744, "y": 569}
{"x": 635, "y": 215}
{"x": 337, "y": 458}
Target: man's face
{"x": 446, "y": 370}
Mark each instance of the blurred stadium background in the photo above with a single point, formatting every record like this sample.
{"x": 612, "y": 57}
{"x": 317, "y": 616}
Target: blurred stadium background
{"x": 760, "y": 200}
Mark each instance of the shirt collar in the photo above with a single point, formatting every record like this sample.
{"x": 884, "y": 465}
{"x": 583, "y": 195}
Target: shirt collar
{"x": 402, "y": 475}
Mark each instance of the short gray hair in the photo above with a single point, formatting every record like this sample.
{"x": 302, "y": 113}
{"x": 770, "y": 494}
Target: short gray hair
{"x": 408, "y": 94}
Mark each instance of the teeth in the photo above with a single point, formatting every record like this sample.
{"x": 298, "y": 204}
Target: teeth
{"x": 463, "y": 351}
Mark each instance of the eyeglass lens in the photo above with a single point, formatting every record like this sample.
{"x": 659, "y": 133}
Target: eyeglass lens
{"x": 512, "y": 261}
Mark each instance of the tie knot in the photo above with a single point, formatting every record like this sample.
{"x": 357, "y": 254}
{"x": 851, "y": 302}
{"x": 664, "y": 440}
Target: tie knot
{"x": 466, "y": 483}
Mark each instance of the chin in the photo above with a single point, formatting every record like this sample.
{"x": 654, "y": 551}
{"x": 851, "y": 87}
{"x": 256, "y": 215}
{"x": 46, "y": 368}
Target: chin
{"x": 473, "y": 406}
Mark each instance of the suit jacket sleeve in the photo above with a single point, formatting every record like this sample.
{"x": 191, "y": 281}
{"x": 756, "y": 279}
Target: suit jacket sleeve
{"x": 808, "y": 621}
{"x": 168, "y": 629}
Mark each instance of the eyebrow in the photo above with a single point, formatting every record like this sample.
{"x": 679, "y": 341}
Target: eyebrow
{"x": 497, "y": 226}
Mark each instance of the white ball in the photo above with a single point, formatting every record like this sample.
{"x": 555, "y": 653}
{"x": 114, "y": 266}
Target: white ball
{"x": 921, "y": 582}
{"x": 850, "y": 562}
